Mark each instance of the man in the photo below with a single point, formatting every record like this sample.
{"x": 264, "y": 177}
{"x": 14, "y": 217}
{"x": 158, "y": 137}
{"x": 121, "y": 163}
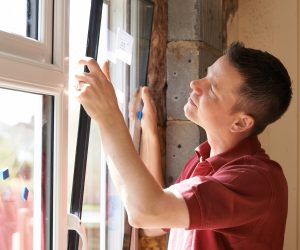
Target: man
{"x": 230, "y": 195}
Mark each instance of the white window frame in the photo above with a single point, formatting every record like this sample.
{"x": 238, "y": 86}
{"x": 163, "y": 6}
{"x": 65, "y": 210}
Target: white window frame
{"x": 23, "y": 68}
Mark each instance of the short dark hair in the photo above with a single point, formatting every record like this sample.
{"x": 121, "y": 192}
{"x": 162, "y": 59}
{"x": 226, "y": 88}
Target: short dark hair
{"x": 266, "y": 91}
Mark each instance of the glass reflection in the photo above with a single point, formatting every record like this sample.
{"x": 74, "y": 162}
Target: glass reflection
{"x": 145, "y": 13}
{"x": 20, "y": 17}
{"x": 25, "y": 214}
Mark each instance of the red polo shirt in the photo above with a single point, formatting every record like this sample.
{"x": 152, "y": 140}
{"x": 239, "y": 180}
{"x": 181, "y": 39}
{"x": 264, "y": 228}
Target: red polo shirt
{"x": 236, "y": 200}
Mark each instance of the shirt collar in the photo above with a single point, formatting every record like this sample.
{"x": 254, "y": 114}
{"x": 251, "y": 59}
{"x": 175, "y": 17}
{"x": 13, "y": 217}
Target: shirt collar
{"x": 248, "y": 146}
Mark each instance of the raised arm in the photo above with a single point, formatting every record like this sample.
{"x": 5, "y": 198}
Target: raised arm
{"x": 148, "y": 205}
{"x": 150, "y": 146}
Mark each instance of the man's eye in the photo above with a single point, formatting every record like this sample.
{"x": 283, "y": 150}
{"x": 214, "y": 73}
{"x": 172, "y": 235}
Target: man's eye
{"x": 212, "y": 91}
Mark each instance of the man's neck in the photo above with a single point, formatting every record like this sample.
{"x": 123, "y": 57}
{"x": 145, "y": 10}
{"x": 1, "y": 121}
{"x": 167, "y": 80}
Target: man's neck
{"x": 220, "y": 144}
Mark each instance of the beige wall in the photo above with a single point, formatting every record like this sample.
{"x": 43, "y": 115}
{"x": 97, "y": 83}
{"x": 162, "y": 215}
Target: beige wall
{"x": 273, "y": 25}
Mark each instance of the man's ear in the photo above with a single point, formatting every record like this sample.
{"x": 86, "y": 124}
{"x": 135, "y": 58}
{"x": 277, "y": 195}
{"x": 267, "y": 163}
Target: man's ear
{"x": 242, "y": 123}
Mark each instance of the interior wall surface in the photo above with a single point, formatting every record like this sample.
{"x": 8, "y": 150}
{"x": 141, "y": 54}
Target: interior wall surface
{"x": 273, "y": 25}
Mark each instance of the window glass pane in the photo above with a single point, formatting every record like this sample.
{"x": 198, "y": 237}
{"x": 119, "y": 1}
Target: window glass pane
{"x": 91, "y": 199}
{"x": 145, "y": 15}
{"x": 20, "y": 17}
{"x": 26, "y": 126}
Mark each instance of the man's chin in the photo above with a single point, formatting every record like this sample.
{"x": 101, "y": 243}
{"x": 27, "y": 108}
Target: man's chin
{"x": 185, "y": 110}
{"x": 190, "y": 118}
{"x": 186, "y": 114}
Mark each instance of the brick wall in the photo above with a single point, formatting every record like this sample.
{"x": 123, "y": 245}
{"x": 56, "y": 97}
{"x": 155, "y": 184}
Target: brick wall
{"x": 195, "y": 41}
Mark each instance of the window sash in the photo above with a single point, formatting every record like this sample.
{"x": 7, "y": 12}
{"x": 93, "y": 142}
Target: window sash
{"x": 23, "y": 69}
{"x": 84, "y": 125}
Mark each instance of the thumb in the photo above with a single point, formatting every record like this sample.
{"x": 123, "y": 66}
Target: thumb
{"x": 146, "y": 97}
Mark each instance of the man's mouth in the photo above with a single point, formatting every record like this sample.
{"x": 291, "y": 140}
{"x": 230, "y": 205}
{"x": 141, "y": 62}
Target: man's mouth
{"x": 192, "y": 102}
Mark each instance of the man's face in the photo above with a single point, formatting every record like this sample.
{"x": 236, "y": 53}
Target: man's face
{"x": 213, "y": 97}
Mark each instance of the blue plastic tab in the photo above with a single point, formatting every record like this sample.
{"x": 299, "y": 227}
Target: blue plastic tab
{"x": 4, "y": 174}
{"x": 140, "y": 115}
{"x": 24, "y": 194}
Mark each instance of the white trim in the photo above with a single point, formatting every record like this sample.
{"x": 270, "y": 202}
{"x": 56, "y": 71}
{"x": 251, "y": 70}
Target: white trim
{"x": 37, "y": 171}
{"x": 60, "y": 55}
{"x": 298, "y": 128}
{"x": 28, "y": 72}
{"x": 61, "y": 35}
{"x": 60, "y": 176}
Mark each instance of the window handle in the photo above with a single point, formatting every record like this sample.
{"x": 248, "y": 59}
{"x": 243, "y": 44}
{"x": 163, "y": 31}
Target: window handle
{"x": 74, "y": 223}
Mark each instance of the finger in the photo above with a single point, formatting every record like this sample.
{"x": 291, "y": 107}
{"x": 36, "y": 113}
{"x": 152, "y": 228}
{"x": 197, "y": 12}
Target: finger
{"x": 105, "y": 70}
{"x": 79, "y": 85}
{"x": 147, "y": 98}
{"x": 137, "y": 92}
{"x": 92, "y": 65}
{"x": 132, "y": 110}
{"x": 84, "y": 77}
{"x": 136, "y": 98}
{"x": 132, "y": 115}
{"x": 81, "y": 75}
{"x": 79, "y": 91}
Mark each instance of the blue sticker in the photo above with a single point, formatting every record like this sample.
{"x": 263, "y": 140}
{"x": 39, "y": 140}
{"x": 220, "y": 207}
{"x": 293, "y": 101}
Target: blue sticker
{"x": 24, "y": 194}
{"x": 4, "y": 174}
{"x": 140, "y": 115}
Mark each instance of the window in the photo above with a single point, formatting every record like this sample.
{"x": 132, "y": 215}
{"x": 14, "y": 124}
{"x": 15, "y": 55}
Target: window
{"x": 103, "y": 214}
{"x": 33, "y": 88}
{"x": 26, "y": 163}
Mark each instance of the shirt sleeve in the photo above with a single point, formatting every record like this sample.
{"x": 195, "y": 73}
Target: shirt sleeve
{"x": 229, "y": 198}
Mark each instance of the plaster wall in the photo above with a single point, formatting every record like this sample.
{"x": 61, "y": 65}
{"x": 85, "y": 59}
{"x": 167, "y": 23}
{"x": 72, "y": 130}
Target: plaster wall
{"x": 273, "y": 25}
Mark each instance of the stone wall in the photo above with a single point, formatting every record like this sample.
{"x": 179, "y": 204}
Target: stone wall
{"x": 195, "y": 41}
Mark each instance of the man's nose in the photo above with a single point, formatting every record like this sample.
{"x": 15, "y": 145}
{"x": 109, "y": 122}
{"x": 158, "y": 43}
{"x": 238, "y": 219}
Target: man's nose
{"x": 196, "y": 86}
